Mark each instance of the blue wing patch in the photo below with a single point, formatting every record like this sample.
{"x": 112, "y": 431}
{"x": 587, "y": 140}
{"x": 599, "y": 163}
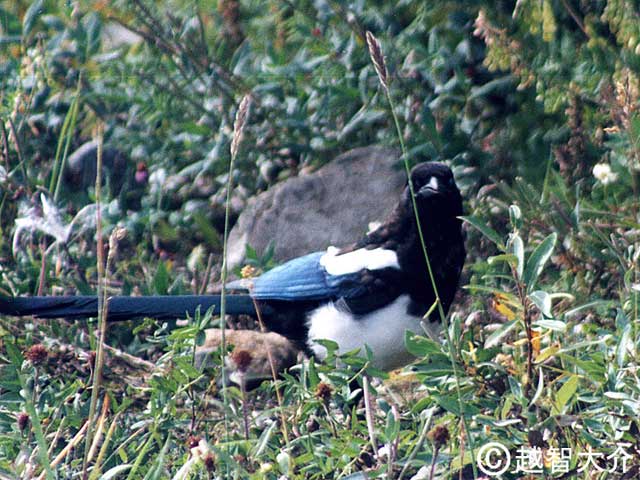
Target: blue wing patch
{"x": 304, "y": 278}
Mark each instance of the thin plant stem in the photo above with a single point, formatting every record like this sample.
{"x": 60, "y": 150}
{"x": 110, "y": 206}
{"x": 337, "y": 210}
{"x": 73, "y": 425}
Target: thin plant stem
{"x": 245, "y": 410}
{"x": 190, "y": 392}
{"x": 37, "y": 428}
{"x": 419, "y": 445}
{"x": 68, "y": 448}
{"x": 432, "y": 470}
{"x": 443, "y": 316}
{"x": 102, "y": 309}
{"x": 207, "y": 275}
{"x": 223, "y": 298}
{"x": 66, "y": 134}
{"x": 368, "y": 412}
{"x": 140, "y": 457}
{"x": 380, "y": 66}
{"x": 238, "y": 129}
{"x": 5, "y": 146}
{"x": 274, "y": 375}
{"x": 97, "y": 469}
{"x": 393, "y": 445}
{"x": 16, "y": 140}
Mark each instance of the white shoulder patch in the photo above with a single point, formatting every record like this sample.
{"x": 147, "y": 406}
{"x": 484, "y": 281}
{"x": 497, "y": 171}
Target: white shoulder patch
{"x": 352, "y": 262}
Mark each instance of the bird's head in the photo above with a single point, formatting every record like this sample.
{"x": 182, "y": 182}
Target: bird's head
{"x": 435, "y": 190}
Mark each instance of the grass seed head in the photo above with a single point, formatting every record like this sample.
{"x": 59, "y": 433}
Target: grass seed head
{"x": 375, "y": 52}
{"x": 239, "y": 124}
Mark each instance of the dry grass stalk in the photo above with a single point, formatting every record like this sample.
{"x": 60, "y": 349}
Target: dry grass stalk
{"x": 368, "y": 409}
{"x": 66, "y": 450}
{"x": 375, "y": 52}
{"x": 239, "y": 124}
{"x": 274, "y": 375}
{"x": 97, "y": 438}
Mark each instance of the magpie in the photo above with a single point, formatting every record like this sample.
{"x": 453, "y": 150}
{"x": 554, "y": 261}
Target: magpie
{"x": 368, "y": 293}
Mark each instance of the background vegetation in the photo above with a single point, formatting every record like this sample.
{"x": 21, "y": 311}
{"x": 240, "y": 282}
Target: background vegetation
{"x": 522, "y": 98}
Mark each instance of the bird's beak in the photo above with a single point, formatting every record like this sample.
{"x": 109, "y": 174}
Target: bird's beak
{"x": 432, "y": 187}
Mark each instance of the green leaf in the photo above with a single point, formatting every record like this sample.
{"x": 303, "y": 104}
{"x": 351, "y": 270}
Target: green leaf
{"x": 505, "y": 257}
{"x": 284, "y": 462}
{"x": 540, "y": 387}
{"x": 420, "y": 346}
{"x": 516, "y": 389}
{"x": 542, "y": 300}
{"x": 161, "y": 279}
{"x": 634, "y": 130}
{"x": 14, "y": 354}
{"x": 201, "y": 337}
{"x": 486, "y": 230}
{"x": 437, "y": 366}
{"x": 30, "y": 17}
{"x": 566, "y": 392}
{"x": 263, "y": 441}
{"x": 496, "y": 337}
{"x": 625, "y": 345}
{"x": 392, "y": 428}
{"x": 515, "y": 216}
{"x": 116, "y": 471}
{"x": 596, "y": 303}
{"x": 93, "y": 25}
{"x": 555, "y": 325}
{"x": 516, "y": 245}
{"x": 451, "y": 404}
{"x": 156, "y": 471}
{"x": 538, "y": 259}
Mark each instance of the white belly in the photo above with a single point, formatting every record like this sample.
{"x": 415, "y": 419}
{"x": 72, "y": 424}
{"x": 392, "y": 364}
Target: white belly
{"x": 382, "y": 330}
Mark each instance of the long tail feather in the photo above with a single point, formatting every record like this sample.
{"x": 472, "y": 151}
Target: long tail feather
{"x": 125, "y": 308}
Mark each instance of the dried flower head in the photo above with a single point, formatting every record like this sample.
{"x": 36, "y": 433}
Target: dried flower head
{"x": 23, "y": 421}
{"x": 193, "y": 441}
{"x": 210, "y": 462}
{"x": 312, "y": 425}
{"x": 239, "y": 124}
{"x": 439, "y": 436}
{"x": 142, "y": 173}
{"x": 116, "y": 236}
{"x": 36, "y": 354}
{"x": 324, "y": 392}
{"x": 242, "y": 359}
{"x": 375, "y": 52}
{"x": 90, "y": 356}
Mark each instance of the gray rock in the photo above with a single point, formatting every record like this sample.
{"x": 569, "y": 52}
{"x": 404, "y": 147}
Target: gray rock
{"x": 80, "y": 169}
{"x": 332, "y": 206}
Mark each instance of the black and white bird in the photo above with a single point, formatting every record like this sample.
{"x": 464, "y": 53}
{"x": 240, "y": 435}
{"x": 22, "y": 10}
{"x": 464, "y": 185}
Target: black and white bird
{"x": 369, "y": 293}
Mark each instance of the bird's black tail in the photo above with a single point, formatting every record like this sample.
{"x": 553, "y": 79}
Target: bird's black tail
{"x": 126, "y": 308}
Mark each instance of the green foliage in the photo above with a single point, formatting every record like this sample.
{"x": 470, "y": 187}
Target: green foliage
{"x": 522, "y": 98}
